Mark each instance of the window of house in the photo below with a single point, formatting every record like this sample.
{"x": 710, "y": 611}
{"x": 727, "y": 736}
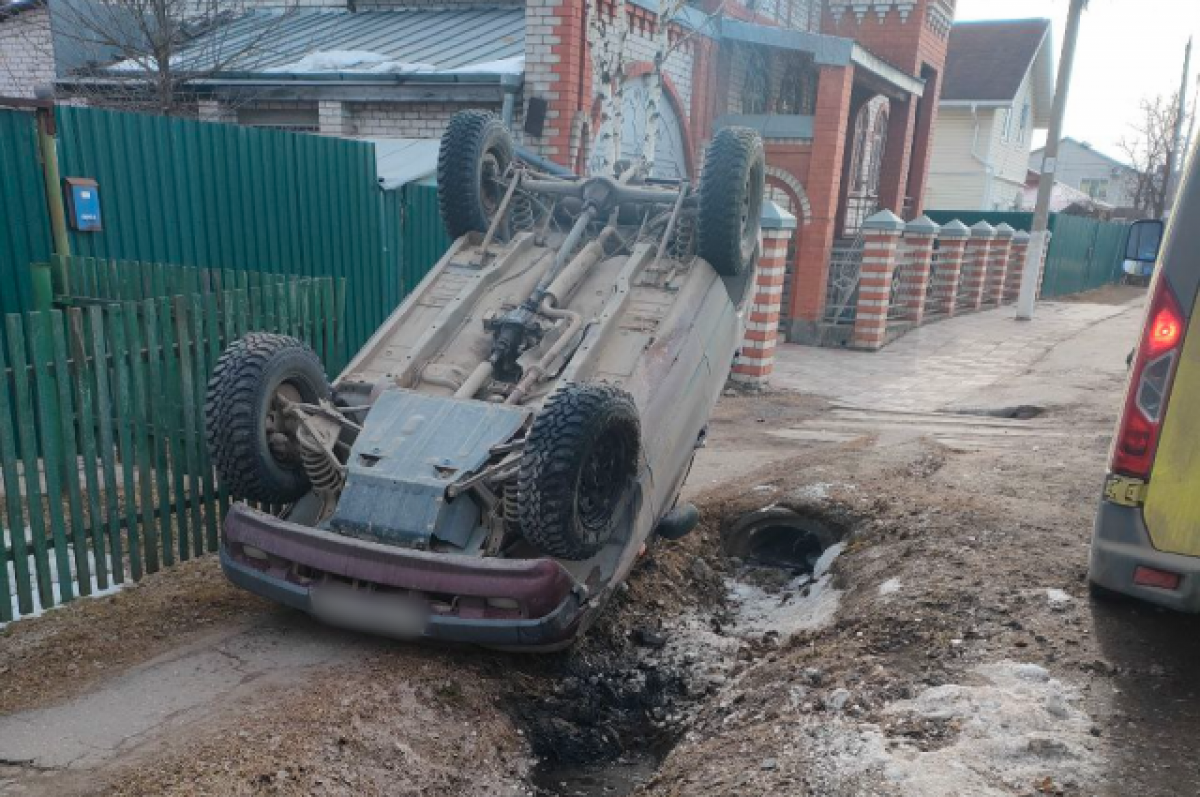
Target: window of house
{"x": 1095, "y": 187}
{"x": 1006, "y": 125}
{"x": 798, "y": 89}
{"x": 1024, "y": 123}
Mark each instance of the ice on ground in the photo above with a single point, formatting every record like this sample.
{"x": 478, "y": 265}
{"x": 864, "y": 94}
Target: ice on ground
{"x": 805, "y": 603}
{"x": 362, "y": 61}
{"x": 56, "y": 590}
{"x": 1057, "y": 596}
{"x": 504, "y": 66}
{"x": 1018, "y": 727}
{"x": 890, "y": 587}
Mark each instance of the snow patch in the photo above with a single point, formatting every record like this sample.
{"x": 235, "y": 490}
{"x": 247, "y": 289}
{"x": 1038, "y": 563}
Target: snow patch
{"x": 361, "y": 61}
{"x": 890, "y": 587}
{"x": 56, "y": 590}
{"x": 805, "y": 603}
{"x": 1019, "y": 727}
{"x": 504, "y": 66}
{"x": 1058, "y": 597}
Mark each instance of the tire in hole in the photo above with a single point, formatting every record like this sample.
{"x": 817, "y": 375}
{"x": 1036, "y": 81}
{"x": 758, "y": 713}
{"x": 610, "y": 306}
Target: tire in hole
{"x": 249, "y": 439}
{"x": 578, "y": 467}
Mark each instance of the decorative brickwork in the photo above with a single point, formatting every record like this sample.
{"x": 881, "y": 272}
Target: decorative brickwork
{"x": 975, "y": 264}
{"x": 997, "y": 268}
{"x": 952, "y": 243}
{"x": 881, "y": 239}
{"x": 919, "y": 236}
{"x": 756, "y": 359}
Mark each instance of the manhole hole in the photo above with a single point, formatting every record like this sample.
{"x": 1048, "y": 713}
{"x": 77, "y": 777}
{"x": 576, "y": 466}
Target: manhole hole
{"x": 778, "y": 537}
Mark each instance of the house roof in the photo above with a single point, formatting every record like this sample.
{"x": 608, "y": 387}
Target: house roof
{"x": 987, "y": 62}
{"x": 431, "y": 40}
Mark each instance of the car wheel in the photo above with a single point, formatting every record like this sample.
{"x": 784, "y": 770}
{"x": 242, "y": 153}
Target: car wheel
{"x": 250, "y": 439}
{"x": 731, "y": 199}
{"x": 474, "y": 155}
{"x": 580, "y": 460}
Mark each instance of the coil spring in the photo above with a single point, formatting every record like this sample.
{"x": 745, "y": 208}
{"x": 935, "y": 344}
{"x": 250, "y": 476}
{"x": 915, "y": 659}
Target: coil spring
{"x": 683, "y": 243}
{"x": 521, "y": 215}
{"x": 511, "y": 520}
{"x": 323, "y": 473}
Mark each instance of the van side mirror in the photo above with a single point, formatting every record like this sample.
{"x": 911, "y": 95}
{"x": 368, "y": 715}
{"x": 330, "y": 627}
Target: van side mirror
{"x": 1144, "y": 241}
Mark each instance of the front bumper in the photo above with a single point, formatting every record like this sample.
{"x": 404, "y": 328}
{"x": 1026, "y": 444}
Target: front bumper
{"x": 1121, "y": 542}
{"x": 399, "y": 592}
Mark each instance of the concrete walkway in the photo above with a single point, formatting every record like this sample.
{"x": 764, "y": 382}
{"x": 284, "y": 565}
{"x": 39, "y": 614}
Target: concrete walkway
{"x": 952, "y": 363}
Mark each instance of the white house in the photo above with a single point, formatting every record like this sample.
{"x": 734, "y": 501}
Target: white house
{"x": 998, "y": 89}
{"x": 1103, "y": 178}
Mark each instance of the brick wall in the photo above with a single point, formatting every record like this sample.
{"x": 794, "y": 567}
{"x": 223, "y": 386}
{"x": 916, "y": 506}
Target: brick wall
{"x": 407, "y": 120}
{"x": 26, "y": 53}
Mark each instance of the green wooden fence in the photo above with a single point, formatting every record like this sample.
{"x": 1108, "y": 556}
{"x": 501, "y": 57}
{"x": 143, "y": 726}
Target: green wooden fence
{"x": 102, "y": 459}
{"x": 24, "y": 228}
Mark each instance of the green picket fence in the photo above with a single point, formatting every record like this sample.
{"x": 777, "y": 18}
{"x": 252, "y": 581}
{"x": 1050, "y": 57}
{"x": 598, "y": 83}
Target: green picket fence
{"x": 102, "y": 459}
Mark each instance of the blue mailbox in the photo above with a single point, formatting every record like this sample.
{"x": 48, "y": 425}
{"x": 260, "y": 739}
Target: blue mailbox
{"x": 83, "y": 204}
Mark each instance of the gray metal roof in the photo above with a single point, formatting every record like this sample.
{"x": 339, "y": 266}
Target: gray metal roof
{"x": 399, "y": 161}
{"x": 446, "y": 38}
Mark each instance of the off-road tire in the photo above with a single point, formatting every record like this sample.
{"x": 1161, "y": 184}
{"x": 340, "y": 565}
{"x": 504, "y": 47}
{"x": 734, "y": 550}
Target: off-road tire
{"x": 475, "y": 152}
{"x": 731, "y": 198}
{"x": 247, "y": 375}
{"x": 582, "y": 430}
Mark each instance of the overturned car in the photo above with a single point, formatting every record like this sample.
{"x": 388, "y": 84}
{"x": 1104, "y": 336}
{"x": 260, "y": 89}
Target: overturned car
{"x": 489, "y": 466}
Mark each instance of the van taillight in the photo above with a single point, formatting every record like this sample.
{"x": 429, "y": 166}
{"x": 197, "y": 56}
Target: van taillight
{"x": 1149, "y": 385}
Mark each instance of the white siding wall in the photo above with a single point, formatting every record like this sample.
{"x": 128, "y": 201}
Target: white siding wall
{"x": 957, "y": 180}
{"x": 1077, "y": 163}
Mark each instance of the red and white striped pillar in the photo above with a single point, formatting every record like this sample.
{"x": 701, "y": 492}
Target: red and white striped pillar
{"x": 919, "y": 235}
{"x": 952, "y": 243}
{"x": 975, "y": 263}
{"x": 756, "y": 358}
{"x": 998, "y": 259}
{"x": 881, "y": 242}
{"x": 1016, "y": 263}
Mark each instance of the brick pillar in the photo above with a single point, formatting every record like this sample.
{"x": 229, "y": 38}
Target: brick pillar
{"x": 919, "y": 235}
{"x": 1016, "y": 263}
{"x": 952, "y": 243}
{"x": 997, "y": 270}
{"x": 813, "y": 246}
{"x": 333, "y": 118}
{"x": 756, "y": 358}
{"x": 881, "y": 240}
{"x": 975, "y": 263}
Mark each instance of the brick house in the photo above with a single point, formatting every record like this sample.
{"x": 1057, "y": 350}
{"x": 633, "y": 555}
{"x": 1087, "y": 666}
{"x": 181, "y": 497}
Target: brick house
{"x": 844, "y": 93}
{"x": 26, "y": 49}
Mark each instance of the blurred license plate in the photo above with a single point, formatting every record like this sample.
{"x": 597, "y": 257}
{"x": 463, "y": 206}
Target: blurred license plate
{"x": 362, "y": 610}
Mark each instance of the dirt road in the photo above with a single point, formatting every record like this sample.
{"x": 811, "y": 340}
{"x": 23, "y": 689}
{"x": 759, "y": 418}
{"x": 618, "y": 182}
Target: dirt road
{"x": 945, "y": 646}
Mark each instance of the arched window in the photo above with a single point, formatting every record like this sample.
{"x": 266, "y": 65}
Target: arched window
{"x": 866, "y": 163}
{"x": 798, "y": 89}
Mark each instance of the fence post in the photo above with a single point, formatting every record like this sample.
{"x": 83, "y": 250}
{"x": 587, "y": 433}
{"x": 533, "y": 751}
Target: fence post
{"x": 919, "y": 235}
{"x": 1016, "y": 261}
{"x": 756, "y": 359}
{"x": 881, "y": 238}
{"x": 952, "y": 242}
{"x": 975, "y": 263}
{"x": 998, "y": 265}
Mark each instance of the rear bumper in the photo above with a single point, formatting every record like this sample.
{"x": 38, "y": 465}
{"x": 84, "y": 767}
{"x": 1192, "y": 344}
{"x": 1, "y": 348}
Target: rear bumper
{"x": 1121, "y": 542}
{"x": 445, "y": 596}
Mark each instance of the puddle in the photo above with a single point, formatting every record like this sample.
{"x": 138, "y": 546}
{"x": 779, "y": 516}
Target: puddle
{"x": 1021, "y": 412}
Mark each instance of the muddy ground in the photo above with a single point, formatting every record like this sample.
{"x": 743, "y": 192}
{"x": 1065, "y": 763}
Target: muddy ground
{"x": 950, "y": 648}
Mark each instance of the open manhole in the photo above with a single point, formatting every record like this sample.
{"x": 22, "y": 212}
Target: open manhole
{"x": 778, "y": 537}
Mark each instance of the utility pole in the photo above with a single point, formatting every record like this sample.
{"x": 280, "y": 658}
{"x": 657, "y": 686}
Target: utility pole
{"x": 1041, "y": 216}
{"x": 1175, "y": 156}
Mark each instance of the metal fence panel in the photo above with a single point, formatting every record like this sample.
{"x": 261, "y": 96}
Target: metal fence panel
{"x": 221, "y": 196}
{"x": 24, "y": 228}
{"x": 425, "y": 239}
